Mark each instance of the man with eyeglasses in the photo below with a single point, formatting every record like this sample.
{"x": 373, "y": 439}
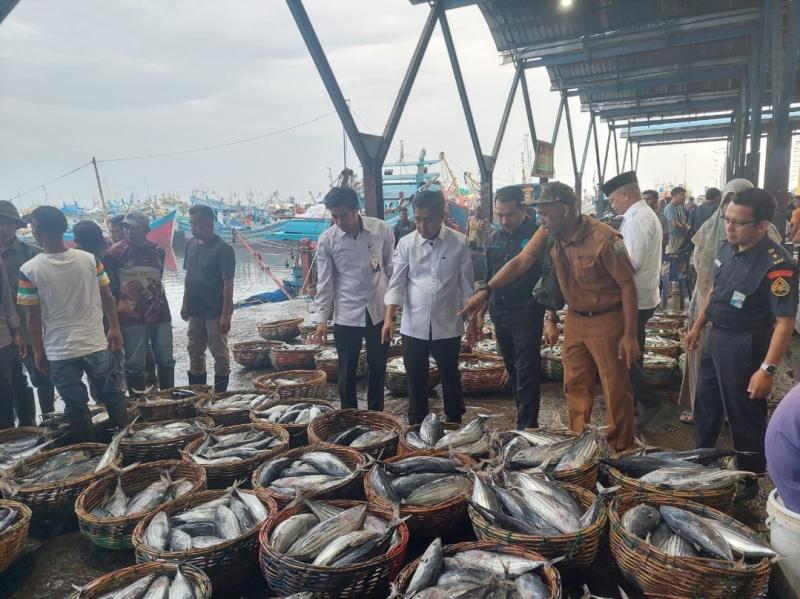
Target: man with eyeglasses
{"x": 751, "y": 308}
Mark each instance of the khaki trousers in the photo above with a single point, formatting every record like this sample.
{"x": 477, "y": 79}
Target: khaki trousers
{"x": 591, "y": 347}
{"x": 204, "y": 333}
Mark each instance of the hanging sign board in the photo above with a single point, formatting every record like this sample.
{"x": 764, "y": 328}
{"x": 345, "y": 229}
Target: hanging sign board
{"x": 543, "y": 163}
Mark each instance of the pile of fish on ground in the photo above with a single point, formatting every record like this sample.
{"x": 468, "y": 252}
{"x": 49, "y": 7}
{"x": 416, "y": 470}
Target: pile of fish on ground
{"x": 155, "y": 586}
{"x": 333, "y": 536}
{"x": 679, "y": 532}
{"x": 312, "y": 471}
{"x": 227, "y": 517}
{"x": 420, "y": 480}
{"x": 549, "y": 451}
{"x": 228, "y": 448}
{"x": 235, "y": 403}
{"x": 118, "y": 503}
{"x": 299, "y": 413}
{"x": 472, "y": 439}
{"x": 361, "y": 435}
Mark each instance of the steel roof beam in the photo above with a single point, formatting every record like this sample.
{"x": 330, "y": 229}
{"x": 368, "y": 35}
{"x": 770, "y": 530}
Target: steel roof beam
{"x": 677, "y": 78}
{"x": 676, "y": 142}
{"x": 661, "y": 100}
{"x": 6, "y": 6}
{"x": 686, "y": 107}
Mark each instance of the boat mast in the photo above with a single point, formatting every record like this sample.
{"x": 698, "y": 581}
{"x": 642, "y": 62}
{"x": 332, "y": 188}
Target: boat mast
{"x": 100, "y": 188}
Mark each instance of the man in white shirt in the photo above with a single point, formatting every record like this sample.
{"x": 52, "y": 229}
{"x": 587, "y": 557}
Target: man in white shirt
{"x": 642, "y": 234}
{"x": 354, "y": 263}
{"x": 432, "y": 280}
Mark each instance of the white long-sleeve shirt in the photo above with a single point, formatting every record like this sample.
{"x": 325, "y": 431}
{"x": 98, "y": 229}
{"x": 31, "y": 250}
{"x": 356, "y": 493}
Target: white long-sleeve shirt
{"x": 642, "y": 234}
{"x": 432, "y": 280}
{"x": 353, "y": 273}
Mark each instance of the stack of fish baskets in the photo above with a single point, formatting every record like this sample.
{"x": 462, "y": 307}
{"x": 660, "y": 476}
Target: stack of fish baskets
{"x": 226, "y": 416}
{"x": 167, "y": 449}
{"x": 661, "y": 345}
{"x": 293, "y": 384}
{"x": 397, "y": 379}
{"x": 13, "y": 538}
{"x": 552, "y": 363}
{"x": 298, "y": 433}
{"x": 173, "y": 404}
{"x": 482, "y": 374}
{"x": 108, "y": 584}
{"x": 349, "y": 488}
{"x": 328, "y": 361}
{"x": 114, "y": 532}
{"x": 286, "y": 575}
{"x": 662, "y": 575}
{"x": 280, "y": 330}
{"x": 324, "y": 427}
{"x": 254, "y": 355}
{"x": 658, "y": 369}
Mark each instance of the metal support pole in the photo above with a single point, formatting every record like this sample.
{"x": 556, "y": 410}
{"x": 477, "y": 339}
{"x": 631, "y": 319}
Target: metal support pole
{"x": 572, "y": 148}
{"x": 373, "y": 189}
{"x": 636, "y": 168}
{"x": 597, "y": 149}
{"x": 586, "y": 147}
{"x": 100, "y": 189}
{"x": 616, "y": 150}
{"x": 625, "y": 153}
{"x": 605, "y": 158}
{"x": 528, "y": 107}
{"x": 759, "y": 83}
{"x": 631, "y": 144}
{"x": 506, "y": 113}
{"x": 557, "y": 126}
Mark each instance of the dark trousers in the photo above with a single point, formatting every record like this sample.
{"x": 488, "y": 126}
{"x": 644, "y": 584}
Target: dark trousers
{"x": 41, "y": 380}
{"x": 642, "y": 392}
{"x": 521, "y": 348}
{"x": 101, "y": 370}
{"x": 728, "y": 361}
{"x": 348, "y": 347}
{"x": 7, "y": 396}
{"x": 415, "y": 358}
{"x": 24, "y": 405}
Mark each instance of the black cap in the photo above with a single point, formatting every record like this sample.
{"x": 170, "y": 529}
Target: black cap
{"x": 554, "y": 192}
{"x": 620, "y": 180}
{"x": 48, "y": 219}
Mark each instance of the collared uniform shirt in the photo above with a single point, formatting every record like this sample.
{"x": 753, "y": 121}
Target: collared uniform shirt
{"x": 353, "y": 273}
{"x": 432, "y": 280}
{"x": 642, "y": 235}
{"x": 14, "y": 256}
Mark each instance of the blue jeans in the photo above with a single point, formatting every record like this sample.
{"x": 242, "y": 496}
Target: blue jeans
{"x": 101, "y": 370}
{"x": 138, "y": 337}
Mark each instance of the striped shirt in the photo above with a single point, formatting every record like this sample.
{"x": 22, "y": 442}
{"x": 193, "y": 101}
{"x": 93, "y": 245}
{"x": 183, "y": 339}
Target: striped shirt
{"x": 66, "y": 286}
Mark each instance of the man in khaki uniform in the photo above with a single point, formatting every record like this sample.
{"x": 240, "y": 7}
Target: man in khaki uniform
{"x": 596, "y": 279}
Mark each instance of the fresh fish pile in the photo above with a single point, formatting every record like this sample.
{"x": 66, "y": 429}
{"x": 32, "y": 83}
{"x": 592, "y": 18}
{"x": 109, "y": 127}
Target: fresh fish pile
{"x": 397, "y": 366}
{"x": 549, "y": 450}
{"x": 298, "y": 413}
{"x": 486, "y": 346}
{"x": 312, "y": 471}
{"x": 332, "y": 536}
{"x": 476, "y": 364}
{"x": 681, "y": 533}
{"x": 476, "y": 573}
{"x": 112, "y": 451}
{"x": 227, "y": 448}
{"x": 58, "y": 468}
{"x": 20, "y": 448}
{"x": 420, "y": 480}
{"x": 360, "y": 436}
{"x": 8, "y": 515}
{"x": 164, "y": 432}
{"x": 299, "y": 347}
{"x": 470, "y": 439}
{"x": 235, "y": 403}
{"x": 207, "y": 524}
{"x": 118, "y": 503}
{"x": 171, "y": 396}
{"x": 161, "y": 586}
{"x": 653, "y": 361}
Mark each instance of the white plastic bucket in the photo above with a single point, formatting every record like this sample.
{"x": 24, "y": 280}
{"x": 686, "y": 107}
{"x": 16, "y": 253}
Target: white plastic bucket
{"x": 784, "y": 537}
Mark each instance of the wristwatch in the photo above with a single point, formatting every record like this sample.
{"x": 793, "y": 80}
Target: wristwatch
{"x": 770, "y": 369}
{"x": 485, "y": 287}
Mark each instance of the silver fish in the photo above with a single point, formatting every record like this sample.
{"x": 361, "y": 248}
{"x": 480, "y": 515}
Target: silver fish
{"x": 179, "y": 540}
{"x": 549, "y": 514}
{"x": 696, "y": 531}
{"x": 677, "y": 546}
{"x": 134, "y": 590}
{"x": 181, "y": 588}
{"x": 226, "y": 523}
{"x": 497, "y": 563}
{"x": 534, "y": 484}
{"x": 693, "y": 477}
{"x": 439, "y": 490}
{"x": 405, "y": 485}
{"x": 257, "y": 510}
{"x": 431, "y": 429}
{"x": 112, "y": 451}
{"x": 7, "y": 517}
{"x": 372, "y": 438}
{"x": 327, "y": 463}
{"x": 414, "y": 440}
{"x": 290, "y": 530}
{"x": 466, "y": 435}
{"x": 640, "y": 520}
{"x": 744, "y": 544}
{"x": 428, "y": 570}
{"x": 483, "y": 495}
{"x": 531, "y": 586}
{"x": 584, "y": 448}
{"x": 159, "y": 589}
{"x": 157, "y": 531}
{"x": 203, "y": 542}
{"x": 309, "y": 546}
{"x": 381, "y": 483}
{"x": 342, "y": 545}
{"x": 416, "y": 464}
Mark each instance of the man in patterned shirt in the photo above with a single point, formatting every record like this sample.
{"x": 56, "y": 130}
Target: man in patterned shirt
{"x": 66, "y": 293}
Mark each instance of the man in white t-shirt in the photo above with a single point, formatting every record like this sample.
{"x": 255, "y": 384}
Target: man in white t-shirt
{"x": 66, "y": 293}
{"x": 642, "y": 234}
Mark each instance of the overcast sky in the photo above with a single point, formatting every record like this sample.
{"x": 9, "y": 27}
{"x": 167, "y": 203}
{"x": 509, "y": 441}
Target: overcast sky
{"x": 83, "y": 78}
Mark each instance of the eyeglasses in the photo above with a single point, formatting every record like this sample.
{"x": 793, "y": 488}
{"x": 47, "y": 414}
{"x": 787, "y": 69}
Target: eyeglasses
{"x": 738, "y": 223}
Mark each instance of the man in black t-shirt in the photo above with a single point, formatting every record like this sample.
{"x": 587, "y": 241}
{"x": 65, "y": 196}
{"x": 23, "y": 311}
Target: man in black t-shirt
{"x": 208, "y": 298}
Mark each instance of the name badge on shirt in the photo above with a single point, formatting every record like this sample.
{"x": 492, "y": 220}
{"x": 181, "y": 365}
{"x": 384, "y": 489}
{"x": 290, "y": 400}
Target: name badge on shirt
{"x": 717, "y": 262}
{"x": 737, "y": 299}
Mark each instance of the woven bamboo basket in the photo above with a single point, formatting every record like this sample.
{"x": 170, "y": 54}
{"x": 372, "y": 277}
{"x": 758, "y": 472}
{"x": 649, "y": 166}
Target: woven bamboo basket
{"x": 222, "y": 417}
{"x": 321, "y": 429}
{"x": 103, "y": 585}
{"x": 579, "y": 549}
{"x": 169, "y": 449}
{"x": 254, "y": 354}
{"x": 280, "y": 330}
{"x": 552, "y": 365}
{"x": 659, "y": 575}
{"x": 397, "y": 382}
{"x": 309, "y": 383}
{"x": 657, "y": 377}
{"x": 483, "y": 381}
{"x": 403, "y": 447}
{"x": 352, "y": 488}
{"x": 115, "y": 532}
{"x": 662, "y": 322}
{"x": 719, "y": 499}
{"x": 368, "y": 579}
{"x": 172, "y": 409}
{"x": 682, "y": 363}
{"x": 298, "y": 433}
{"x": 48, "y": 498}
{"x": 548, "y": 573}
{"x": 288, "y": 357}
{"x": 11, "y": 434}
{"x": 226, "y": 564}
{"x": 331, "y": 366}
{"x": 221, "y": 476}
{"x": 673, "y": 334}
{"x": 13, "y": 538}
{"x": 667, "y": 347}
{"x": 428, "y": 520}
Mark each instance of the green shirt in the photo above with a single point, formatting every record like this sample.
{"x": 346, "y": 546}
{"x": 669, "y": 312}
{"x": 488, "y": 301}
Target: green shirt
{"x": 15, "y": 255}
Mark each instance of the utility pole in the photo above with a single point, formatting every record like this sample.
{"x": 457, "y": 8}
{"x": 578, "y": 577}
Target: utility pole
{"x": 100, "y": 189}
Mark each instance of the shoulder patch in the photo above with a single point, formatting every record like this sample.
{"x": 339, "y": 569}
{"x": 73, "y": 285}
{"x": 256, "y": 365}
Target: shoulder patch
{"x": 775, "y": 274}
{"x": 618, "y": 245}
{"x": 779, "y": 287}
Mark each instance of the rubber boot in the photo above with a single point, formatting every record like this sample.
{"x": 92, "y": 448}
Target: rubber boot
{"x": 221, "y": 383}
{"x": 137, "y": 384}
{"x": 81, "y": 428}
{"x": 117, "y": 413}
{"x": 166, "y": 377}
{"x": 198, "y": 379}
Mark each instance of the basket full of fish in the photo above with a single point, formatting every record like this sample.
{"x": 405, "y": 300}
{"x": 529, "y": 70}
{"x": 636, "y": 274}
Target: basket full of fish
{"x": 294, "y": 416}
{"x": 317, "y": 472}
{"x": 294, "y": 357}
{"x": 23, "y": 442}
{"x": 430, "y": 488}
{"x": 482, "y": 569}
{"x": 172, "y": 404}
{"x": 552, "y": 362}
{"x": 254, "y": 354}
{"x": 471, "y": 439}
{"x": 280, "y": 330}
{"x": 216, "y": 531}
{"x": 233, "y": 452}
{"x": 552, "y": 518}
{"x": 15, "y": 519}
{"x": 397, "y": 380}
{"x": 663, "y": 345}
{"x": 333, "y": 549}
{"x": 327, "y": 360}
{"x": 231, "y": 407}
{"x": 695, "y": 475}
{"x": 564, "y": 455}
{"x": 162, "y": 440}
{"x": 482, "y": 374}
{"x": 658, "y": 369}
{"x": 673, "y": 547}
{"x": 373, "y": 433}
{"x": 293, "y": 384}
{"x": 175, "y": 581}
{"x": 111, "y": 507}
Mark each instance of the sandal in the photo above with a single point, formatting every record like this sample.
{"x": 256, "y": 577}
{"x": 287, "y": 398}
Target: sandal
{"x": 687, "y": 417}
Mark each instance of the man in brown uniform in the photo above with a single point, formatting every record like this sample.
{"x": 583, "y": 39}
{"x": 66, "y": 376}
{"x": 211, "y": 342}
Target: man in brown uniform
{"x": 596, "y": 279}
